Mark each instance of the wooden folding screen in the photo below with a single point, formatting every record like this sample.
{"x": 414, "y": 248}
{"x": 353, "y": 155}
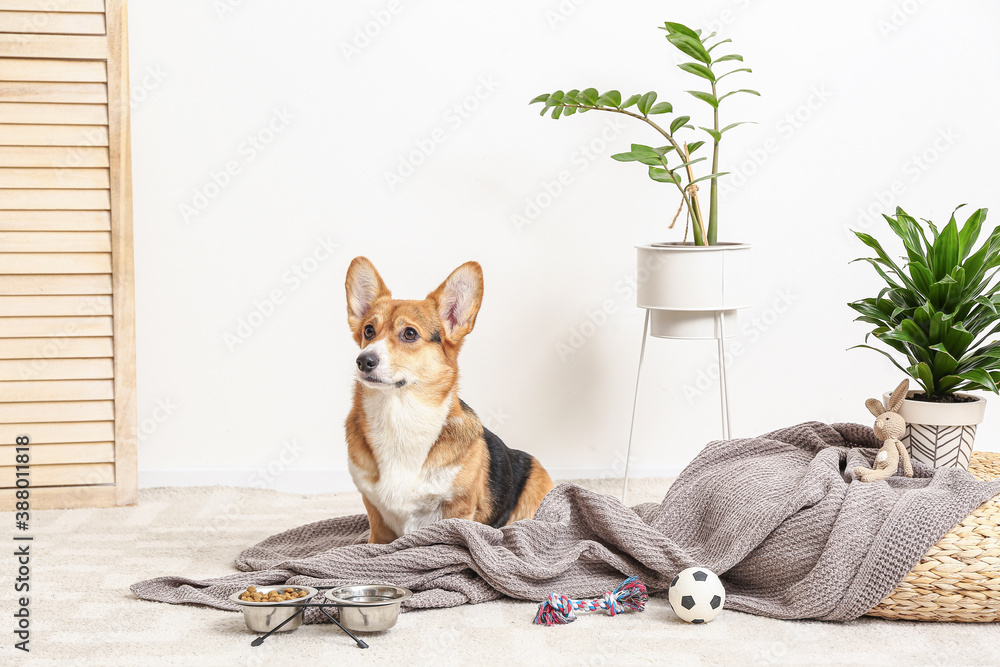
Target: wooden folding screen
{"x": 67, "y": 336}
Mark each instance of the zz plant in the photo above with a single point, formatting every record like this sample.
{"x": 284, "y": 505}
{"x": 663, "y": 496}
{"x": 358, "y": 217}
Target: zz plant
{"x": 939, "y": 308}
{"x": 663, "y": 166}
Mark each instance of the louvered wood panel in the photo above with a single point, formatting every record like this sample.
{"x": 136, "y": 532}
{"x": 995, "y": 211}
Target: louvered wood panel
{"x": 68, "y": 390}
{"x": 67, "y": 352}
{"x": 80, "y": 452}
{"x": 54, "y": 221}
{"x": 55, "y": 327}
{"x": 48, "y": 242}
{"x": 42, "y": 178}
{"x": 34, "y": 306}
{"x": 36, "y": 69}
{"x": 53, "y": 156}
{"x": 41, "y": 199}
{"x": 31, "y": 113}
{"x": 52, "y": 22}
{"x": 55, "y": 46}
{"x": 55, "y": 369}
{"x": 63, "y": 475}
{"x": 57, "y": 348}
{"x": 41, "y": 284}
{"x": 56, "y": 262}
{"x": 53, "y": 135}
{"x": 56, "y": 411}
{"x": 58, "y": 432}
{"x": 52, "y": 91}
{"x": 53, "y": 5}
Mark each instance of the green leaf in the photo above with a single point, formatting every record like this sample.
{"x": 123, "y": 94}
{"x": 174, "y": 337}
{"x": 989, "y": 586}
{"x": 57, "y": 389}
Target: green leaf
{"x": 694, "y": 145}
{"x": 556, "y": 112}
{"x": 970, "y": 231}
{"x": 741, "y": 69}
{"x": 883, "y": 353}
{"x": 646, "y": 154}
{"x": 698, "y": 70}
{"x": 678, "y": 123}
{"x": 717, "y": 136}
{"x": 986, "y": 303}
{"x": 625, "y": 157}
{"x": 731, "y": 56}
{"x": 741, "y": 90}
{"x": 692, "y": 46}
{"x": 946, "y": 251}
{"x": 590, "y": 96}
{"x": 704, "y": 178}
{"x": 924, "y": 375}
{"x": 612, "y": 98}
{"x": 646, "y": 102}
{"x": 569, "y": 111}
{"x": 679, "y": 28}
{"x": 708, "y": 98}
{"x": 695, "y": 161}
{"x": 720, "y": 42}
{"x": 883, "y": 259}
{"x": 922, "y": 277}
{"x": 540, "y": 98}
{"x": 732, "y": 125}
{"x": 662, "y": 175}
{"x": 662, "y": 107}
{"x": 981, "y": 377}
{"x": 630, "y": 101}
{"x": 554, "y": 99}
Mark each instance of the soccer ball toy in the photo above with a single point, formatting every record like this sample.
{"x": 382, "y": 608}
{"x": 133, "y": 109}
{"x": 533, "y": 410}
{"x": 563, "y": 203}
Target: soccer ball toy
{"x": 696, "y": 595}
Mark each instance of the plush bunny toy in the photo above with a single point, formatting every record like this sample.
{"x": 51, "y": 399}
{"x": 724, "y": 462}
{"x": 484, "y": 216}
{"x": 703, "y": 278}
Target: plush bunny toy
{"x": 889, "y": 427}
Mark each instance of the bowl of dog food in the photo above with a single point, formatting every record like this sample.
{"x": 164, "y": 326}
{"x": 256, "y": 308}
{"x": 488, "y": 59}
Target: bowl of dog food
{"x": 368, "y": 608}
{"x": 267, "y": 607}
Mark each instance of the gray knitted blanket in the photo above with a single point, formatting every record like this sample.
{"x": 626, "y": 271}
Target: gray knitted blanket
{"x": 778, "y": 517}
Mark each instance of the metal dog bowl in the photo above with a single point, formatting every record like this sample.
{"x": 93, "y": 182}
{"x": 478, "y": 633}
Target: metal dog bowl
{"x": 368, "y": 608}
{"x": 265, "y": 616}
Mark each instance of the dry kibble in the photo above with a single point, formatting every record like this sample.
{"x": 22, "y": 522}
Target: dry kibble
{"x": 251, "y": 594}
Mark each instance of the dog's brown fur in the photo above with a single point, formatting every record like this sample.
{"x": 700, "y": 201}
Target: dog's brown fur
{"x": 460, "y": 470}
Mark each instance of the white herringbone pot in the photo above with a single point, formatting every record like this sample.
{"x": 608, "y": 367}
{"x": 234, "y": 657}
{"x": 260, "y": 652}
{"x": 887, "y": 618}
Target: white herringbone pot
{"x": 941, "y": 435}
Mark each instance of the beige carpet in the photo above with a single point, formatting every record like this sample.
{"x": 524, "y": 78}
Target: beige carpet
{"x": 84, "y": 614}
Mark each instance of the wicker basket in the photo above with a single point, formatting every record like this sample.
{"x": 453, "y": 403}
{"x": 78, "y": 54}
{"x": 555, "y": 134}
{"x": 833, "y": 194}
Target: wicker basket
{"x": 959, "y": 578}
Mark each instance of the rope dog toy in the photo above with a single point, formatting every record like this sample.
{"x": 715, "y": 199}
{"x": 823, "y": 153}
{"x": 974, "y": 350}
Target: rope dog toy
{"x": 559, "y": 609}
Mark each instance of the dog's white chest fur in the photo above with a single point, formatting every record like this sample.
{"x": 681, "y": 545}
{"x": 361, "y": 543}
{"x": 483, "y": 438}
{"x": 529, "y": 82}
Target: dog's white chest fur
{"x": 401, "y": 432}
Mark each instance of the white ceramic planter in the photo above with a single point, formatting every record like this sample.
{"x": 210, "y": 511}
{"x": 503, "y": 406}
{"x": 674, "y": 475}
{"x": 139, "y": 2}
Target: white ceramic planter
{"x": 941, "y": 435}
{"x": 686, "y": 286}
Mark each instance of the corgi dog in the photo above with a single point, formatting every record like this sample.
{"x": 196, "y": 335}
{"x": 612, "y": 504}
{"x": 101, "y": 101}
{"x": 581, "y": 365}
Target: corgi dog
{"x": 416, "y": 451}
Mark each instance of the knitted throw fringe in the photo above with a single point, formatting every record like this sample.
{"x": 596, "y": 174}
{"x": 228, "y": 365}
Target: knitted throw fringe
{"x": 559, "y": 609}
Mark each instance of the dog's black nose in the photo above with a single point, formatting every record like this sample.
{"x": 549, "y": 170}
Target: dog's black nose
{"x": 367, "y": 361}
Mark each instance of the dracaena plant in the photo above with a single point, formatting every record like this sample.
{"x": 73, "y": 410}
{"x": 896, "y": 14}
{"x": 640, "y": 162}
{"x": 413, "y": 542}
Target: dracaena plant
{"x": 672, "y": 162}
{"x": 938, "y": 312}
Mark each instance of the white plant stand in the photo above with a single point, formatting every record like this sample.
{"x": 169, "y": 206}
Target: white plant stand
{"x": 690, "y": 314}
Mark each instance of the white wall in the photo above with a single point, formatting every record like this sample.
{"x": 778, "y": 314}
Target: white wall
{"x": 857, "y": 96}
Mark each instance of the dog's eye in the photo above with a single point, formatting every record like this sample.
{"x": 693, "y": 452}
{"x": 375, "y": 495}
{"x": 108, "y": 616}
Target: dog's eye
{"x": 369, "y": 332}
{"x": 409, "y": 333}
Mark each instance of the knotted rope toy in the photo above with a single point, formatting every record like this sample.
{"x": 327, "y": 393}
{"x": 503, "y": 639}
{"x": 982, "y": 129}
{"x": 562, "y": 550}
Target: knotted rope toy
{"x": 559, "y": 609}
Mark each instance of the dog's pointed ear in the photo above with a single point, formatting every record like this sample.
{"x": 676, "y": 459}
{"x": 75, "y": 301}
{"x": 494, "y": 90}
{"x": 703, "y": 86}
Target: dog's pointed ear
{"x": 875, "y": 407}
{"x": 458, "y": 300}
{"x": 898, "y": 396}
{"x": 364, "y": 286}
